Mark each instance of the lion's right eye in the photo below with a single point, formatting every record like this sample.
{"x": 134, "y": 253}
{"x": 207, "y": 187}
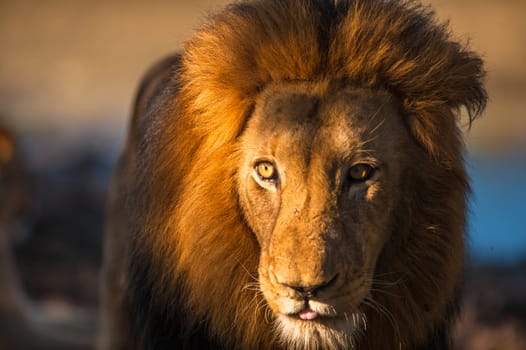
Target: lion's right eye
{"x": 266, "y": 171}
{"x": 361, "y": 172}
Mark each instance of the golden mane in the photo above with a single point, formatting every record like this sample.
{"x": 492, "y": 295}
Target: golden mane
{"x": 193, "y": 255}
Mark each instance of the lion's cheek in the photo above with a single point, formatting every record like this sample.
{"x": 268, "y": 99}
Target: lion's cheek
{"x": 377, "y": 214}
{"x": 260, "y": 209}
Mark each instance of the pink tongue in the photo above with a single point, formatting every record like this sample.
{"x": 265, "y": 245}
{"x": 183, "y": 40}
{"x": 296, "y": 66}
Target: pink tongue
{"x": 308, "y": 314}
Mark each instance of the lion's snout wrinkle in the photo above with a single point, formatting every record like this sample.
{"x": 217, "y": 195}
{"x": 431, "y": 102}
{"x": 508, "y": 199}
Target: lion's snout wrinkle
{"x": 304, "y": 258}
{"x": 302, "y": 274}
{"x": 309, "y": 291}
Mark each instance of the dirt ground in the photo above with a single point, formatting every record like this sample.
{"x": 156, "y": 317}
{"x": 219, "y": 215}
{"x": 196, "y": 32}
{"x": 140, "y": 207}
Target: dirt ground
{"x": 68, "y": 72}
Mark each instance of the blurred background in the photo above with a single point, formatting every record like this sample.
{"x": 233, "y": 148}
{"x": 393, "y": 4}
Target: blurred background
{"x": 68, "y": 74}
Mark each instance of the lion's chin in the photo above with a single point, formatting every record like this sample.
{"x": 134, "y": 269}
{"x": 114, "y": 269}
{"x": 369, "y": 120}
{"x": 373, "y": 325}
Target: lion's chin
{"x": 322, "y": 333}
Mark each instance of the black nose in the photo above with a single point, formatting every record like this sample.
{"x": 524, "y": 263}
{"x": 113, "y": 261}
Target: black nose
{"x": 308, "y": 292}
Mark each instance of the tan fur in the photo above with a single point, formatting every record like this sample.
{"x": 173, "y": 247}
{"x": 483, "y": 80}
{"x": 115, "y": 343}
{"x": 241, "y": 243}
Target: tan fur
{"x": 196, "y": 246}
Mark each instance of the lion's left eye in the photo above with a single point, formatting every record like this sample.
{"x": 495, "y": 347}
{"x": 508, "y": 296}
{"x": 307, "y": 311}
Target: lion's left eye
{"x": 361, "y": 172}
{"x": 266, "y": 171}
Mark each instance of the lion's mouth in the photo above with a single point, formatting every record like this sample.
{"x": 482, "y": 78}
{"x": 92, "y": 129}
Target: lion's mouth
{"x": 317, "y": 311}
{"x": 308, "y": 314}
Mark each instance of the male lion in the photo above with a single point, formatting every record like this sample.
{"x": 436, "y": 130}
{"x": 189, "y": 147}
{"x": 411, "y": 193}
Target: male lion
{"x": 294, "y": 179}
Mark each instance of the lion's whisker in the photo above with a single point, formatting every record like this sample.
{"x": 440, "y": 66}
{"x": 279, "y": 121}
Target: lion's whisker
{"x": 381, "y": 291}
{"x": 384, "y": 311}
{"x": 377, "y": 112}
{"x": 377, "y": 126}
{"x": 255, "y": 278}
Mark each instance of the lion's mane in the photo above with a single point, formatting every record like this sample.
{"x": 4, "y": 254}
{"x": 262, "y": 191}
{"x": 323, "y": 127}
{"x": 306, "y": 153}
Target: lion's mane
{"x": 192, "y": 253}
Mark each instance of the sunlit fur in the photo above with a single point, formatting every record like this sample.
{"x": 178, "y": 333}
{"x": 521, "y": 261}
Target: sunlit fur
{"x": 180, "y": 258}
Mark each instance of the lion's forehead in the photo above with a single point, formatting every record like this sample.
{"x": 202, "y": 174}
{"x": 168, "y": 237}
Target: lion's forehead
{"x": 332, "y": 121}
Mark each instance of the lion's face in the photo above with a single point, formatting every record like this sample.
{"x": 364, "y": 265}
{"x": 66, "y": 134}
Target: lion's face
{"x": 318, "y": 183}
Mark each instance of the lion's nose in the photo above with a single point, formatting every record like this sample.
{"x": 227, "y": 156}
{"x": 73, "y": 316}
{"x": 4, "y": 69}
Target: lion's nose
{"x": 309, "y": 291}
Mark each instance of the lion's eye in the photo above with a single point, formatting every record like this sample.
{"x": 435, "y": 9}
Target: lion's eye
{"x": 266, "y": 171}
{"x": 360, "y": 172}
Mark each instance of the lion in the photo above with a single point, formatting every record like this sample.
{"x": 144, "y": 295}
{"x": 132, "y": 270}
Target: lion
{"x": 294, "y": 179}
